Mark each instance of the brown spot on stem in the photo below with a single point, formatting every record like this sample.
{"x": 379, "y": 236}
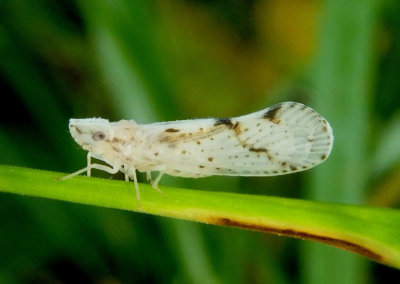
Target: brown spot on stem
{"x": 336, "y": 242}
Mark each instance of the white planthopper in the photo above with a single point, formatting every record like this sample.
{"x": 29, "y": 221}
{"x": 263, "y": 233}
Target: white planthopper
{"x": 285, "y": 138}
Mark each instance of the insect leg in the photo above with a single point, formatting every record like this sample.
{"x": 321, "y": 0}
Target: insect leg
{"x": 133, "y": 172}
{"x": 112, "y": 170}
{"x": 124, "y": 170}
{"x": 148, "y": 177}
{"x": 89, "y": 160}
{"x": 157, "y": 180}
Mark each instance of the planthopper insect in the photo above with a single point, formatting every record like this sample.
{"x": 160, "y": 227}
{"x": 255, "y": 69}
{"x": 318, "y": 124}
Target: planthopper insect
{"x": 285, "y": 138}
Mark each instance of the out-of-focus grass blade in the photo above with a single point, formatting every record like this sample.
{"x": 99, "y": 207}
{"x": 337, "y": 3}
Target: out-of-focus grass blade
{"x": 124, "y": 38}
{"x": 387, "y": 152}
{"x": 342, "y": 78}
{"x": 372, "y": 232}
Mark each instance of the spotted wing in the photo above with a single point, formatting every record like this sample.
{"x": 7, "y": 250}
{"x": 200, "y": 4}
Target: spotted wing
{"x": 284, "y": 138}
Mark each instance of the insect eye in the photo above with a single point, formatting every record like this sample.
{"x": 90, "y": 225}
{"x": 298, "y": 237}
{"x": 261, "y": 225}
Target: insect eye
{"x": 97, "y": 136}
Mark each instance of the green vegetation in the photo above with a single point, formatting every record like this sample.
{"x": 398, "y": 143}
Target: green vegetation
{"x": 166, "y": 60}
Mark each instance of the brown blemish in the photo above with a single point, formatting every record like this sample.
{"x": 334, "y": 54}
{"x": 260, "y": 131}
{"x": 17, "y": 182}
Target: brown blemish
{"x": 262, "y": 150}
{"x": 77, "y": 129}
{"x": 336, "y": 242}
{"x": 116, "y": 140}
{"x": 237, "y": 128}
{"x": 271, "y": 114}
{"x": 171, "y": 130}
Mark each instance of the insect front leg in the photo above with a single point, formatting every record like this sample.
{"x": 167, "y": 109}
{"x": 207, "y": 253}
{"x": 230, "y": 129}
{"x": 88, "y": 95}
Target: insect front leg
{"x": 109, "y": 170}
{"x": 89, "y": 160}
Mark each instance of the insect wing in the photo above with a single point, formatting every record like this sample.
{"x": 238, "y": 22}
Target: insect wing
{"x": 285, "y": 138}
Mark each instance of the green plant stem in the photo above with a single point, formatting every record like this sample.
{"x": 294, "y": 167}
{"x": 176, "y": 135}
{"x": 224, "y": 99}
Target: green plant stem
{"x": 369, "y": 231}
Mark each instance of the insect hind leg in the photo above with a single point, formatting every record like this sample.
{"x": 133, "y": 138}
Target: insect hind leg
{"x": 148, "y": 177}
{"x": 156, "y": 181}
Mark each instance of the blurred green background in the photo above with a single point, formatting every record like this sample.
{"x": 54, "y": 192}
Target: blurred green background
{"x": 168, "y": 60}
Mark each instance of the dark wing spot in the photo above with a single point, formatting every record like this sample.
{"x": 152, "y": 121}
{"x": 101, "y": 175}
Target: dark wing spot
{"x": 156, "y": 154}
{"x": 171, "y": 130}
{"x": 258, "y": 150}
{"x": 262, "y": 150}
{"x": 201, "y": 167}
{"x": 237, "y": 128}
{"x": 223, "y": 121}
{"x": 323, "y": 157}
{"x": 271, "y": 114}
{"x": 211, "y": 159}
{"x": 293, "y": 168}
{"x": 198, "y": 142}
